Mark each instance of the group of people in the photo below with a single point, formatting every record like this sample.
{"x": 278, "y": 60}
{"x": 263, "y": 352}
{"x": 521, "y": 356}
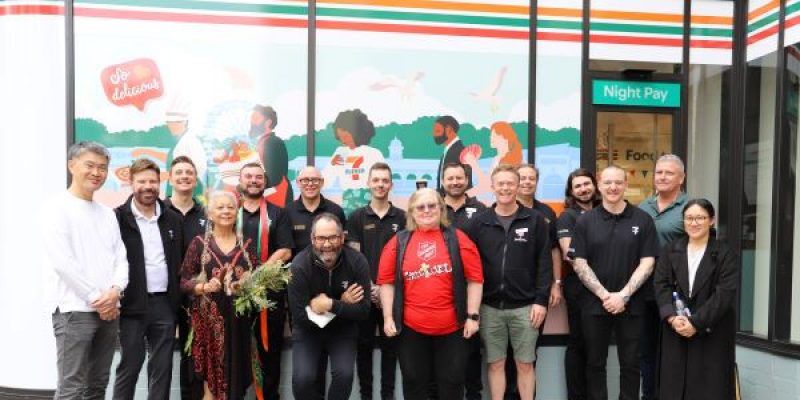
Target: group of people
{"x": 440, "y": 288}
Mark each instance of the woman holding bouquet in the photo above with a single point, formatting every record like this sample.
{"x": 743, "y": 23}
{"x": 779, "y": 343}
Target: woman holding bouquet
{"x": 697, "y": 348}
{"x": 212, "y": 272}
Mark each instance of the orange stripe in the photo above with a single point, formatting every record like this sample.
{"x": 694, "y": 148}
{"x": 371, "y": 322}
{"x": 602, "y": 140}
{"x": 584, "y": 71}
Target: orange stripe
{"x": 638, "y": 16}
{"x": 763, "y": 9}
{"x": 708, "y": 19}
{"x": 429, "y": 30}
{"x": 559, "y": 12}
{"x": 30, "y": 10}
{"x": 435, "y": 5}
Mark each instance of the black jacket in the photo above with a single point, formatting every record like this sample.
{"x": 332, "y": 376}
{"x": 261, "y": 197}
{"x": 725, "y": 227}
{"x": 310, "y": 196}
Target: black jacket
{"x": 517, "y": 266}
{"x": 310, "y": 278}
{"x": 134, "y": 300}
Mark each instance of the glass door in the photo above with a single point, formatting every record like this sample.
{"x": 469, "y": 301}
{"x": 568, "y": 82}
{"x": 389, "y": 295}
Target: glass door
{"x": 633, "y": 141}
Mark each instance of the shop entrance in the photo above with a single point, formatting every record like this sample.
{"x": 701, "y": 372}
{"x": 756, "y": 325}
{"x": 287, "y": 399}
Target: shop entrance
{"x": 633, "y": 141}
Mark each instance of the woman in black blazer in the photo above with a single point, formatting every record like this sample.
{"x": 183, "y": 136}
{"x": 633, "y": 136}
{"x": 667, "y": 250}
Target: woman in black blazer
{"x": 698, "y": 350}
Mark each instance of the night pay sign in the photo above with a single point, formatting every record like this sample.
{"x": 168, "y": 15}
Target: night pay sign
{"x": 634, "y": 93}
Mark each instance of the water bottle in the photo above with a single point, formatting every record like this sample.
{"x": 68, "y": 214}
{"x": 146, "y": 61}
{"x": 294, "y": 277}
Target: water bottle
{"x": 680, "y": 307}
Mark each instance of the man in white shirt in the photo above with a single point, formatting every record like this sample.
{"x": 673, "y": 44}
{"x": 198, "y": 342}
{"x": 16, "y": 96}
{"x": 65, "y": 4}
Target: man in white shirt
{"x": 153, "y": 237}
{"x": 86, "y": 273}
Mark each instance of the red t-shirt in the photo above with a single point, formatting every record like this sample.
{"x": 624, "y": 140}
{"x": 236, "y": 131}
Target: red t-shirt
{"x": 428, "y": 279}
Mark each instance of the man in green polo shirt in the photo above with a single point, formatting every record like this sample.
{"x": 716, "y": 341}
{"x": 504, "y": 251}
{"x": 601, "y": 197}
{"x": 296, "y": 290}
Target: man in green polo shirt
{"x": 666, "y": 208}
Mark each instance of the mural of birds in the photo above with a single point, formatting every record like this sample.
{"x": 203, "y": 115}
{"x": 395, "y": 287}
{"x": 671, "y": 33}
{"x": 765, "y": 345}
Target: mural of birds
{"x": 489, "y": 92}
{"x": 407, "y": 87}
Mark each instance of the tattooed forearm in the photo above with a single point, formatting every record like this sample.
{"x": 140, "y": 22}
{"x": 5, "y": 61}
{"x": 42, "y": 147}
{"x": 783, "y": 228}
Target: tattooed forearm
{"x": 589, "y": 279}
{"x": 639, "y": 277}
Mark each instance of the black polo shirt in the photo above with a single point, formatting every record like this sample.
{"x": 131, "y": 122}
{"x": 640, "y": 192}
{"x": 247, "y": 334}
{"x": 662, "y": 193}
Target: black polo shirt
{"x": 613, "y": 245}
{"x": 372, "y": 232}
{"x": 566, "y": 224}
{"x": 280, "y": 232}
{"x": 300, "y": 220}
{"x": 194, "y": 221}
{"x": 459, "y": 218}
{"x": 549, "y": 217}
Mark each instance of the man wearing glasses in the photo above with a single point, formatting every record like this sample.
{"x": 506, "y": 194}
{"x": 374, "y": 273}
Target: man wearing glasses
{"x": 666, "y": 208}
{"x": 327, "y": 299}
{"x": 308, "y": 205}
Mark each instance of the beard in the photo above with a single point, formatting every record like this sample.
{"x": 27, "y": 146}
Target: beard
{"x": 329, "y": 256}
{"x": 141, "y": 196}
{"x": 439, "y": 139}
{"x": 256, "y": 130}
{"x": 247, "y": 193}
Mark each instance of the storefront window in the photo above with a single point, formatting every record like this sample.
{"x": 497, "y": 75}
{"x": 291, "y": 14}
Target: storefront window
{"x": 757, "y": 194}
{"x": 705, "y": 119}
{"x": 792, "y": 118}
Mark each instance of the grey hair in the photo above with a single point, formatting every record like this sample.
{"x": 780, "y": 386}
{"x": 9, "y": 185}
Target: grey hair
{"x": 222, "y": 193}
{"x": 327, "y": 217}
{"x": 78, "y": 149}
{"x": 672, "y": 158}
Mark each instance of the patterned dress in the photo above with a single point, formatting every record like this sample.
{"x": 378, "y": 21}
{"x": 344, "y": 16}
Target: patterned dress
{"x": 221, "y": 344}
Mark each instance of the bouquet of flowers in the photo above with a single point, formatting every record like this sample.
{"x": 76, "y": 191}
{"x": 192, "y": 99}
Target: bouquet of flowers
{"x": 252, "y": 293}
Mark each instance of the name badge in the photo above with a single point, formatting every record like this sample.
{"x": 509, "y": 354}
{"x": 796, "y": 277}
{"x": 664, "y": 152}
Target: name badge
{"x": 299, "y": 227}
{"x": 369, "y": 226}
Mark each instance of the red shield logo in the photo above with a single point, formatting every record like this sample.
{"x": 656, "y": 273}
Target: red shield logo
{"x": 426, "y": 250}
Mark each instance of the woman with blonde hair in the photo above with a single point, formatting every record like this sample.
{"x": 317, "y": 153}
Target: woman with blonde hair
{"x": 430, "y": 296}
{"x": 214, "y": 265}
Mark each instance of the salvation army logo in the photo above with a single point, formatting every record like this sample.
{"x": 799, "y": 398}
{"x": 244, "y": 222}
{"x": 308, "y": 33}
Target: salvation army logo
{"x": 426, "y": 250}
{"x": 132, "y": 83}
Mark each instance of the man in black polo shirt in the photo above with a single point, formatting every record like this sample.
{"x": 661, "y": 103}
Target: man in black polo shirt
{"x": 460, "y": 207}
{"x": 580, "y": 196}
{"x": 615, "y": 248}
{"x": 369, "y": 228}
{"x": 267, "y": 226}
{"x": 183, "y": 178}
{"x": 308, "y": 205}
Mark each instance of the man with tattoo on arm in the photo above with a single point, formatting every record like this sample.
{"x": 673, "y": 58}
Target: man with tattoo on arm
{"x": 615, "y": 247}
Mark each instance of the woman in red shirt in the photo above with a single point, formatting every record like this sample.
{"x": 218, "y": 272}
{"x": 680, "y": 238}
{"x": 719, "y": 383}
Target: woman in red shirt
{"x": 431, "y": 299}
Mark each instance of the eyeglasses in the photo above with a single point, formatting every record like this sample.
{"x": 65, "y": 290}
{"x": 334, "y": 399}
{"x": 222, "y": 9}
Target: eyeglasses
{"x": 310, "y": 181}
{"x": 426, "y": 206}
{"x": 330, "y": 239}
{"x": 699, "y": 219}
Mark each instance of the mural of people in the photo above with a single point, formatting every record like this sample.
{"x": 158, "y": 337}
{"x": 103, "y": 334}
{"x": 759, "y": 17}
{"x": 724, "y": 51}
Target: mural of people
{"x": 445, "y": 133}
{"x": 189, "y": 145}
{"x": 272, "y": 153}
{"x": 505, "y": 142}
{"x": 351, "y": 162}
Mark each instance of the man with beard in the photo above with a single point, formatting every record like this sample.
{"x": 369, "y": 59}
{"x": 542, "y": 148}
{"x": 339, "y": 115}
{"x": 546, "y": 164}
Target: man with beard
{"x": 266, "y": 225}
{"x": 272, "y": 152}
{"x": 580, "y": 196}
{"x": 153, "y": 237}
{"x": 369, "y": 228}
{"x": 460, "y": 209}
{"x": 615, "y": 246}
{"x": 514, "y": 245}
{"x": 328, "y": 281}
{"x": 183, "y": 179}
{"x": 445, "y": 132}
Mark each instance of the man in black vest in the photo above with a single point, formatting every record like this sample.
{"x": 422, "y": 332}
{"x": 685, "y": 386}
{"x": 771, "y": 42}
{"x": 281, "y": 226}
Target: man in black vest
{"x": 369, "y": 228}
{"x": 153, "y": 238}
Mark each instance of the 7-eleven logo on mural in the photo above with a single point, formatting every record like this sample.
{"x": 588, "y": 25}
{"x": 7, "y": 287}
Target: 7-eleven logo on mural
{"x": 132, "y": 83}
{"x": 355, "y": 166}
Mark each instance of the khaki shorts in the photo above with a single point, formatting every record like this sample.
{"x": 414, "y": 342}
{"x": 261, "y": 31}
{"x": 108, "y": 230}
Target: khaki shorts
{"x": 499, "y": 326}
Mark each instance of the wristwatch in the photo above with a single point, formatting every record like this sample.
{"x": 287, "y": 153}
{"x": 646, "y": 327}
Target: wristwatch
{"x": 475, "y": 317}
{"x": 558, "y": 282}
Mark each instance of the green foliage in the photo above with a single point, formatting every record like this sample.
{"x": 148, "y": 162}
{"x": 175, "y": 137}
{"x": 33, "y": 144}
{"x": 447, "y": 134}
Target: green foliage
{"x": 252, "y": 297}
{"x": 89, "y": 129}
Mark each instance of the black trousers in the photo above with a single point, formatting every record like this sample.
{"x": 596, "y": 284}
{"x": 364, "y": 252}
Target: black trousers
{"x": 271, "y": 360}
{"x": 366, "y": 346}
{"x": 575, "y": 356}
{"x": 158, "y": 328}
{"x": 597, "y": 331}
{"x": 307, "y": 346}
{"x": 651, "y": 326}
{"x": 425, "y": 358}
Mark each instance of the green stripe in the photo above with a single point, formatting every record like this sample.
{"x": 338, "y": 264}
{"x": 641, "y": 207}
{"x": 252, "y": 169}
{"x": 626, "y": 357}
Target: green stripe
{"x": 559, "y": 24}
{"x": 792, "y": 8}
{"x": 719, "y": 32}
{"x": 422, "y": 17}
{"x": 636, "y": 28}
{"x": 205, "y": 6}
{"x": 767, "y": 20}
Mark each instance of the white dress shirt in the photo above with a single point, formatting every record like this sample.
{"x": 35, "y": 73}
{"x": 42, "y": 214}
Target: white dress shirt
{"x": 155, "y": 263}
{"x": 694, "y": 257}
{"x": 84, "y": 253}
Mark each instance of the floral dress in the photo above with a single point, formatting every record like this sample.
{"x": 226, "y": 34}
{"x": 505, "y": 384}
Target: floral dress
{"x": 221, "y": 342}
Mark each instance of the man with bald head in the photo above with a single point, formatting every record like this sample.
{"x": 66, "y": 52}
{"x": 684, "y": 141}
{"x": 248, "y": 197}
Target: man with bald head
{"x": 615, "y": 246}
{"x": 308, "y": 205}
{"x": 666, "y": 209}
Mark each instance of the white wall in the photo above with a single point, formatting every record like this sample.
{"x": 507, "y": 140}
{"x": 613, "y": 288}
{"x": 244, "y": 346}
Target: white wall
{"x": 32, "y": 168}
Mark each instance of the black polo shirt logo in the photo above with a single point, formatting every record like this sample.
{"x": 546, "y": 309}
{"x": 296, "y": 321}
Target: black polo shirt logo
{"x": 171, "y": 234}
{"x": 470, "y": 211}
{"x": 635, "y": 230}
{"x": 520, "y": 232}
{"x": 345, "y": 284}
{"x": 202, "y": 222}
{"x": 369, "y": 226}
{"x": 299, "y": 227}
{"x": 394, "y": 227}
